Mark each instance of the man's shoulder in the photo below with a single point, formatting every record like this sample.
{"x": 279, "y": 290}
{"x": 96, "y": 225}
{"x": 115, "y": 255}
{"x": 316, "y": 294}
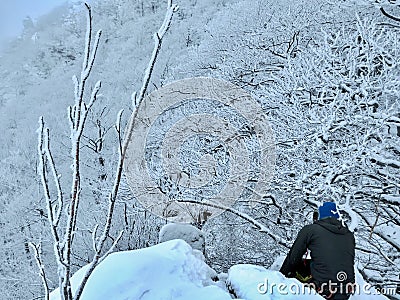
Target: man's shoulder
{"x": 309, "y": 228}
{"x": 312, "y": 228}
{"x": 312, "y": 225}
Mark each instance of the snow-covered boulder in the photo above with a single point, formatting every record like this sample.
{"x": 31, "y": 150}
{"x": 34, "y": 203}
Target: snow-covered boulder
{"x": 252, "y": 282}
{"x": 190, "y": 234}
{"x": 166, "y": 271}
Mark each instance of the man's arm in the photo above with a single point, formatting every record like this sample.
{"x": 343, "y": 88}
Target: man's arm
{"x": 293, "y": 259}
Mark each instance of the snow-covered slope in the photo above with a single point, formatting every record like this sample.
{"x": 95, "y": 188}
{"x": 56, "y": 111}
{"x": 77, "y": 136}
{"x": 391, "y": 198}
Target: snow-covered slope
{"x": 174, "y": 271}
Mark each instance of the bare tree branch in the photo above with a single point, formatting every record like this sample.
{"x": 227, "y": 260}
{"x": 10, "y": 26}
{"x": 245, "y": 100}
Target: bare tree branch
{"x": 382, "y": 235}
{"x": 389, "y": 15}
{"x": 262, "y": 227}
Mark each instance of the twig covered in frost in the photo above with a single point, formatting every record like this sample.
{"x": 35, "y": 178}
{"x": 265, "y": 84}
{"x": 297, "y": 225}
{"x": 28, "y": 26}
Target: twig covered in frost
{"x": 122, "y": 150}
{"x": 77, "y": 117}
{"x": 382, "y": 235}
{"x": 39, "y": 262}
{"x": 158, "y": 37}
{"x": 53, "y": 216}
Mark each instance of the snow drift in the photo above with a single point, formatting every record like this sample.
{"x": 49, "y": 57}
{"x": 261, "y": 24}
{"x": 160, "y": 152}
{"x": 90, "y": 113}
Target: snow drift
{"x": 171, "y": 270}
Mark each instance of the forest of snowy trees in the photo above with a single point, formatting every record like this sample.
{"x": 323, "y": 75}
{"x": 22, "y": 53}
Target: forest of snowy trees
{"x": 324, "y": 73}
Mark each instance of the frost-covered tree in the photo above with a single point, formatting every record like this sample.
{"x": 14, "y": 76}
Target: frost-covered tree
{"x": 30, "y": 66}
{"x": 332, "y": 98}
{"x": 338, "y": 101}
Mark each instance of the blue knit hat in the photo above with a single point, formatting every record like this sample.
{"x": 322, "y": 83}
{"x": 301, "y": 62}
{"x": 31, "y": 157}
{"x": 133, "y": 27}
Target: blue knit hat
{"x": 328, "y": 210}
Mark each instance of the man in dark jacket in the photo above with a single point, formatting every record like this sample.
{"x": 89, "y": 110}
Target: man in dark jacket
{"x": 332, "y": 249}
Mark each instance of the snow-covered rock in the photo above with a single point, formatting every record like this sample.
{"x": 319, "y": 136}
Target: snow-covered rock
{"x": 190, "y": 234}
{"x": 252, "y": 282}
{"x": 167, "y": 271}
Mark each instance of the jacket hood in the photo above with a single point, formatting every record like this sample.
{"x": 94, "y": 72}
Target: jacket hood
{"x": 333, "y": 225}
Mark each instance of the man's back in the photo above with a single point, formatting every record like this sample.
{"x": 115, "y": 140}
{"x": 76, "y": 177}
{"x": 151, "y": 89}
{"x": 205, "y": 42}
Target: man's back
{"x": 332, "y": 248}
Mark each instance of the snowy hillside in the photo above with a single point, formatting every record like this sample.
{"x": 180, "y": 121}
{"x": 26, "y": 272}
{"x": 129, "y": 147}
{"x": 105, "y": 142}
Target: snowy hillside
{"x": 323, "y": 75}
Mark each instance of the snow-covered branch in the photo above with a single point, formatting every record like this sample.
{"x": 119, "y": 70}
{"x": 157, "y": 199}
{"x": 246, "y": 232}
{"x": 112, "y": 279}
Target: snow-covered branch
{"x": 99, "y": 246}
{"x": 386, "y": 14}
{"x": 45, "y": 157}
{"x": 77, "y": 116}
{"x": 42, "y": 273}
{"x": 260, "y": 226}
{"x": 379, "y": 233}
{"x": 158, "y": 37}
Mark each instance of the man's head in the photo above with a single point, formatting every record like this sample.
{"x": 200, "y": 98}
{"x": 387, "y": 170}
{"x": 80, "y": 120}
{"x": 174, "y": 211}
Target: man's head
{"x": 328, "y": 210}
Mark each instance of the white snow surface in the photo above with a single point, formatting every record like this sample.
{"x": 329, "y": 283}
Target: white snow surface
{"x": 174, "y": 271}
{"x": 190, "y": 234}
{"x": 253, "y": 282}
{"x": 171, "y": 270}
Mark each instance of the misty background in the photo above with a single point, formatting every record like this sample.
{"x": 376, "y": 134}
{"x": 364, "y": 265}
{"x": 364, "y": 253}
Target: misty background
{"x": 13, "y": 13}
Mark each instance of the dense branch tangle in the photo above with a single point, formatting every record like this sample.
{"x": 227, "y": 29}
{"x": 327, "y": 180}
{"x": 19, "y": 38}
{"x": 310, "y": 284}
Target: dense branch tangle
{"x": 347, "y": 146}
